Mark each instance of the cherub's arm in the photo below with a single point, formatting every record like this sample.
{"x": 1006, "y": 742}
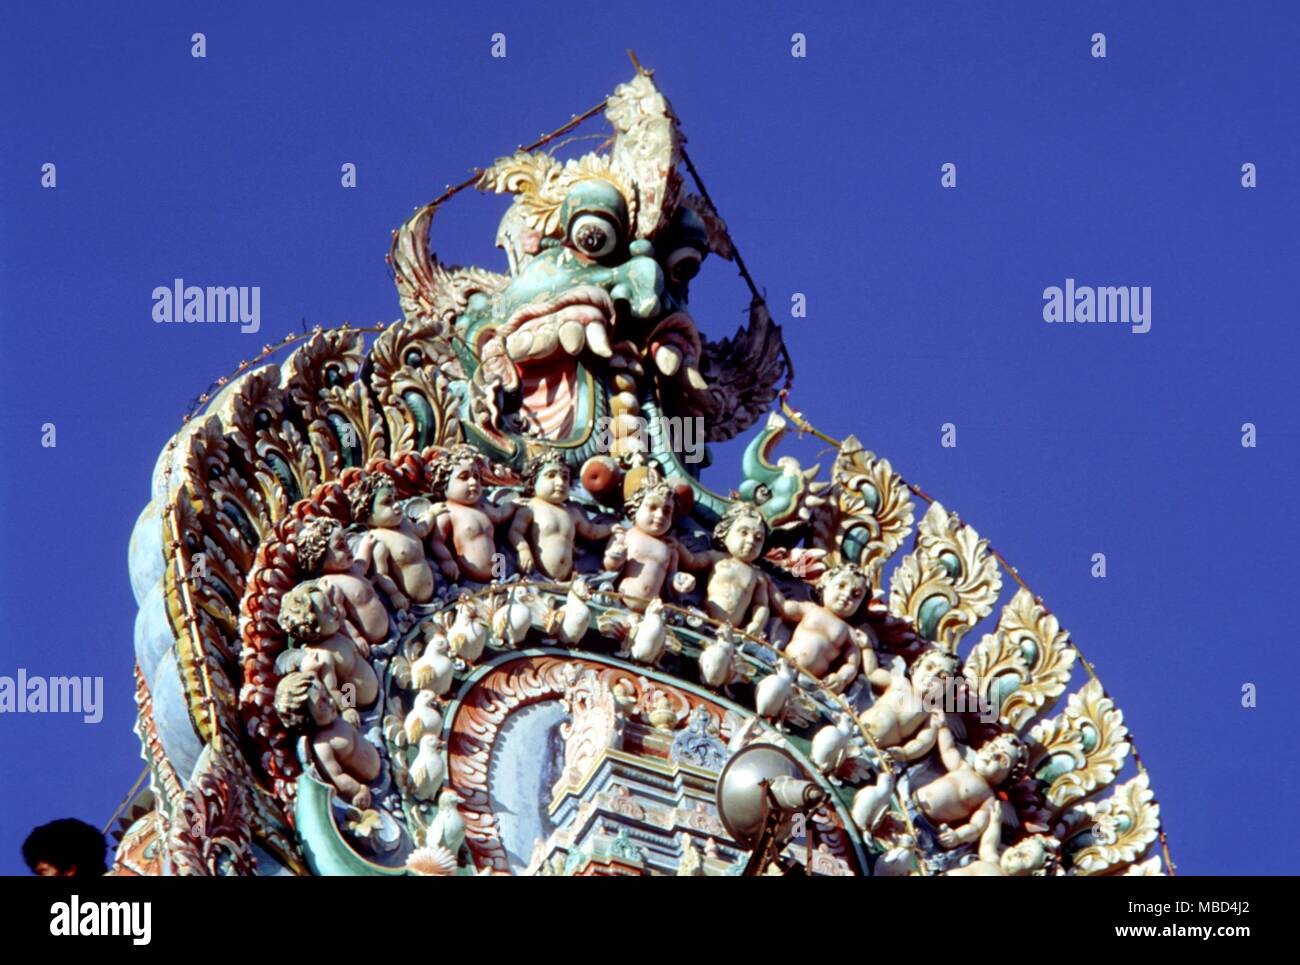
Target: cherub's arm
{"x": 950, "y": 837}
{"x": 791, "y": 610}
{"x": 848, "y": 671}
{"x": 328, "y": 675}
{"x": 499, "y": 512}
{"x": 862, "y": 643}
{"x": 761, "y": 612}
{"x": 694, "y": 561}
{"x": 616, "y": 550}
{"x": 949, "y": 752}
{"x": 991, "y": 841}
{"x": 921, "y": 742}
{"x": 381, "y": 570}
{"x": 518, "y": 537}
{"x": 439, "y": 536}
{"x": 590, "y": 528}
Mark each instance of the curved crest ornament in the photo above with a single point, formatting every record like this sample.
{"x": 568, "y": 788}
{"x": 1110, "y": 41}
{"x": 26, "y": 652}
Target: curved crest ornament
{"x": 450, "y": 597}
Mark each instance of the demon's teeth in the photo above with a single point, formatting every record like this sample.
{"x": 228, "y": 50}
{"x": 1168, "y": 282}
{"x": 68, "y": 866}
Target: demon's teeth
{"x": 695, "y": 379}
{"x": 572, "y": 337}
{"x": 668, "y": 359}
{"x": 544, "y": 341}
{"x": 598, "y": 339}
{"x": 518, "y": 344}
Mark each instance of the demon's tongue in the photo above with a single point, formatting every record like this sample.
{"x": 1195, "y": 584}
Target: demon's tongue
{"x": 549, "y": 396}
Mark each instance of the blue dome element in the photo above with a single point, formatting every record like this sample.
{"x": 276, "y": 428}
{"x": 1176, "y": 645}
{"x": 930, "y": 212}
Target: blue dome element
{"x": 172, "y": 717}
{"x": 153, "y": 632}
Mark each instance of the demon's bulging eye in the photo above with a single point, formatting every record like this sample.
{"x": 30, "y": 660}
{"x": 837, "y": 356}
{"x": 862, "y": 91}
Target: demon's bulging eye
{"x": 683, "y": 265}
{"x": 593, "y": 235}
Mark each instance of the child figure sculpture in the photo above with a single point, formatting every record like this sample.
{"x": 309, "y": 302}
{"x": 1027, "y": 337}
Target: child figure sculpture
{"x": 644, "y": 554}
{"x": 822, "y": 636}
{"x": 348, "y": 760}
{"x": 463, "y": 538}
{"x": 393, "y": 547}
{"x": 737, "y": 591}
{"x": 545, "y": 525}
{"x": 323, "y": 550}
{"x": 962, "y": 803}
{"x": 313, "y": 620}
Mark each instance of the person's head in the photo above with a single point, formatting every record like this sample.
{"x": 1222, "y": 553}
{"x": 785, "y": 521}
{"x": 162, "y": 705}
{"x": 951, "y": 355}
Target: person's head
{"x": 373, "y": 501}
{"x": 300, "y": 697}
{"x": 842, "y": 589}
{"x": 307, "y": 613}
{"x": 458, "y": 475}
{"x": 548, "y": 476}
{"x": 931, "y": 670}
{"x": 65, "y": 848}
{"x": 322, "y": 546}
{"x": 999, "y": 758}
{"x": 741, "y": 531}
{"x": 650, "y": 507}
{"x": 1029, "y": 856}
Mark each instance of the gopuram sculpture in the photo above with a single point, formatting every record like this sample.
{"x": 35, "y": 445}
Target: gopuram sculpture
{"x": 448, "y": 597}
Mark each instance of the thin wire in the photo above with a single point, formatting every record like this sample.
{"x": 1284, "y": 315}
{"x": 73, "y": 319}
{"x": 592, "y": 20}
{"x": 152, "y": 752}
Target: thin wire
{"x": 130, "y": 796}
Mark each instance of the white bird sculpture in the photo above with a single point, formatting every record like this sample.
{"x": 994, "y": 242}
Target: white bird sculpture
{"x": 870, "y": 802}
{"x": 512, "y": 620}
{"x": 575, "y": 616}
{"x": 428, "y": 769}
{"x": 649, "y": 633}
{"x": 468, "y": 634}
{"x": 448, "y": 827}
{"x": 424, "y": 718}
{"x": 718, "y": 660}
{"x": 434, "y": 669}
{"x": 830, "y": 744}
{"x": 773, "y": 692}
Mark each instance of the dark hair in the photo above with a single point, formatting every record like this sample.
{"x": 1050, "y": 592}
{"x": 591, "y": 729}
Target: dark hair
{"x": 67, "y": 844}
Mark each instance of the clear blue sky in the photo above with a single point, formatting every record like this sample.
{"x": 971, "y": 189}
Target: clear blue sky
{"x": 924, "y": 304}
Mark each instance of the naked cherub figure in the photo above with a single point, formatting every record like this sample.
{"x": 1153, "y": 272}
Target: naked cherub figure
{"x": 737, "y": 591}
{"x": 315, "y": 624}
{"x": 907, "y": 714}
{"x": 962, "y": 802}
{"x": 644, "y": 555}
{"x": 822, "y": 636}
{"x": 393, "y": 546}
{"x": 545, "y": 524}
{"x": 322, "y": 550}
{"x": 463, "y": 537}
{"x": 348, "y": 759}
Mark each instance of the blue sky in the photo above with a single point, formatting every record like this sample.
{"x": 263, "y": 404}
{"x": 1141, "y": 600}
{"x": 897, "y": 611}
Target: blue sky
{"x": 924, "y": 304}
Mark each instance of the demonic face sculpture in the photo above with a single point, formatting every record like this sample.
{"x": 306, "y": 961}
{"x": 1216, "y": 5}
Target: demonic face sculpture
{"x": 591, "y": 325}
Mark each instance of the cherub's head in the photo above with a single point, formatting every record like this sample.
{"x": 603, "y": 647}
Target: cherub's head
{"x": 373, "y": 501}
{"x": 841, "y": 589}
{"x": 548, "y": 476}
{"x": 931, "y": 669}
{"x": 322, "y": 546}
{"x": 1029, "y": 856}
{"x": 458, "y": 475}
{"x": 300, "y": 697}
{"x": 650, "y": 507}
{"x": 307, "y": 613}
{"x": 999, "y": 758}
{"x": 741, "y": 532}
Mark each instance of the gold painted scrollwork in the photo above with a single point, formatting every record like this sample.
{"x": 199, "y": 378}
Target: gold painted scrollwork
{"x": 1124, "y": 826}
{"x": 1081, "y": 750}
{"x": 342, "y": 423}
{"x": 867, "y": 503}
{"x": 1024, "y": 666}
{"x": 272, "y": 448}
